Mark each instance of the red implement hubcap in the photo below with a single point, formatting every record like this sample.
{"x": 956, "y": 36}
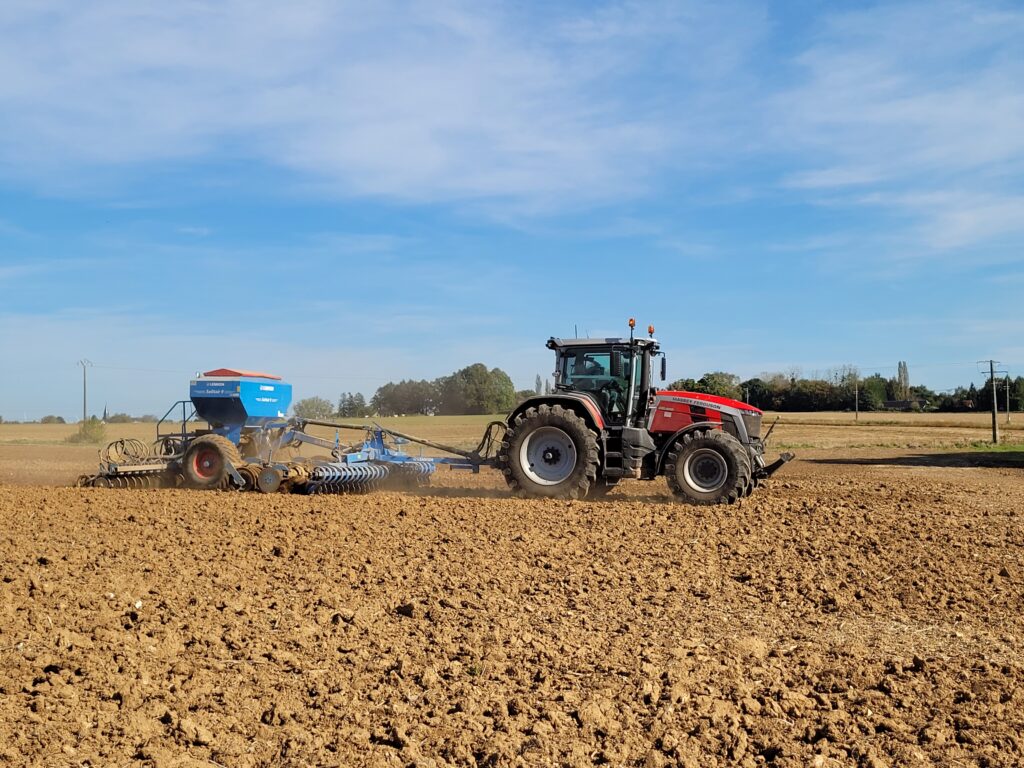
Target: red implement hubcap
{"x": 207, "y": 462}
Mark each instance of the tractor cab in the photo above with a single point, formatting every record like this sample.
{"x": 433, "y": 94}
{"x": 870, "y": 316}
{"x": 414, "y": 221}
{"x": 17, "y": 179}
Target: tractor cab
{"x": 615, "y": 372}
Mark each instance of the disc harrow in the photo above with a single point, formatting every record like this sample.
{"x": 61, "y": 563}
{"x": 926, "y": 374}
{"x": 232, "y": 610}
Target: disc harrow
{"x": 346, "y": 478}
{"x": 133, "y": 480}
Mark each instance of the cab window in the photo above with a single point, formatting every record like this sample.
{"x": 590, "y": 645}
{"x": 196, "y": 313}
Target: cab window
{"x": 582, "y": 370}
{"x": 591, "y": 371}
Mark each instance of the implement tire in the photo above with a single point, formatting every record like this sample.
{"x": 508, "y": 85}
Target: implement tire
{"x": 549, "y": 453}
{"x": 205, "y": 463}
{"x": 708, "y": 467}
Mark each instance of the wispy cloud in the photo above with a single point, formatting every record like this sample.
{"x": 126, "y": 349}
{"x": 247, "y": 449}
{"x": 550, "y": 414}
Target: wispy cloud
{"x": 443, "y": 101}
{"x": 914, "y": 107}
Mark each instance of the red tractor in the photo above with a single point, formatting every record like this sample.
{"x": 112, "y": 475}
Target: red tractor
{"x": 605, "y": 421}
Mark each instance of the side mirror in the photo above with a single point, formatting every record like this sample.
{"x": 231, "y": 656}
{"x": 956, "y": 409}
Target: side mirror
{"x": 616, "y": 364}
{"x": 664, "y": 367}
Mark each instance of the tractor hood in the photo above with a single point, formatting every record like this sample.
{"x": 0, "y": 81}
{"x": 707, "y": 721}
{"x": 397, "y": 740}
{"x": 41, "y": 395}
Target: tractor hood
{"x": 714, "y": 400}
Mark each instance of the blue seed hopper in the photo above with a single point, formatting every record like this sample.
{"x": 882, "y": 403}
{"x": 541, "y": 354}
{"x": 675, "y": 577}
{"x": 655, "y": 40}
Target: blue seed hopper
{"x": 231, "y": 400}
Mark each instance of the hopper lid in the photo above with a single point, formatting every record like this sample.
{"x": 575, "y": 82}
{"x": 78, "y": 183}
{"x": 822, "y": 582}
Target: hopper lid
{"x": 239, "y": 373}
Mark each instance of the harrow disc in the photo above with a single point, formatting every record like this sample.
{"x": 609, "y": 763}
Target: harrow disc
{"x": 269, "y": 480}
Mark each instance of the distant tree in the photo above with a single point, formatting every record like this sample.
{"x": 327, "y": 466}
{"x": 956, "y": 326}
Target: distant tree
{"x": 1017, "y": 394}
{"x": 313, "y": 408}
{"x": 404, "y": 397}
{"x": 503, "y": 392}
{"x": 359, "y": 408}
{"x": 721, "y": 383}
{"x": 902, "y": 381}
{"x": 147, "y": 418}
{"x": 759, "y": 394}
{"x": 538, "y": 385}
{"x": 119, "y": 418}
{"x": 51, "y": 419}
{"x": 873, "y": 392}
{"x": 476, "y": 390}
{"x": 351, "y": 405}
{"x": 547, "y": 387}
{"x": 685, "y": 385}
{"x": 983, "y": 396}
{"x": 382, "y": 402}
{"x": 344, "y": 406}
{"x": 91, "y": 430}
{"x": 715, "y": 383}
{"x": 471, "y": 390}
{"x": 525, "y": 394}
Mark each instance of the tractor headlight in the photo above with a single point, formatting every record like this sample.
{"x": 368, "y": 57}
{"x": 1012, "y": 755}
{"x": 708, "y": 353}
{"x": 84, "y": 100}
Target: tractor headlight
{"x": 752, "y": 421}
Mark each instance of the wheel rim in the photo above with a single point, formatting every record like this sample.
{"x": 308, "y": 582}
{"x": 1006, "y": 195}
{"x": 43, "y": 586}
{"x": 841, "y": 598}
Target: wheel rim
{"x": 207, "y": 463}
{"x": 548, "y": 456}
{"x": 706, "y": 470}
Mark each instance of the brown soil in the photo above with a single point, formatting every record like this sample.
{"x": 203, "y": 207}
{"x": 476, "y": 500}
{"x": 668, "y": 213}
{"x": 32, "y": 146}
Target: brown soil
{"x": 848, "y": 614}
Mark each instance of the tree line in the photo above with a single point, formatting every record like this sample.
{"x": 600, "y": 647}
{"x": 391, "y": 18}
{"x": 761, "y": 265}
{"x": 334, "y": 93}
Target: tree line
{"x": 479, "y": 390}
{"x": 475, "y": 389}
{"x": 843, "y": 389}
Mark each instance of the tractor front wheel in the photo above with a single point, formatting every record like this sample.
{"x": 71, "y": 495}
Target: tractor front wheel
{"x": 708, "y": 467}
{"x": 549, "y": 452}
{"x": 205, "y": 463}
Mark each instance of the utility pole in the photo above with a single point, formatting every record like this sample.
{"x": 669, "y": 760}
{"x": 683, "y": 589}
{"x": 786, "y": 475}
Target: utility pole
{"x": 856, "y": 398}
{"x": 86, "y": 364}
{"x": 1007, "y": 398}
{"x": 995, "y": 403}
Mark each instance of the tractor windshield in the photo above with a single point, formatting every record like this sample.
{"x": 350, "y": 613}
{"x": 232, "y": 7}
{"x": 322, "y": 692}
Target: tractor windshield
{"x": 592, "y": 371}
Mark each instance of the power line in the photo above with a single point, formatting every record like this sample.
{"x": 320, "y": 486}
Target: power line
{"x": 139, "y": 370}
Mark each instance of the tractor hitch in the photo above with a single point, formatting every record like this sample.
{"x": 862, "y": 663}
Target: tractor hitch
{"x": 776, "y": 465}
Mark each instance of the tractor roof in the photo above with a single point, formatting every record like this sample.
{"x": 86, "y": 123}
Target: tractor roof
{"x": 554, "y": 343}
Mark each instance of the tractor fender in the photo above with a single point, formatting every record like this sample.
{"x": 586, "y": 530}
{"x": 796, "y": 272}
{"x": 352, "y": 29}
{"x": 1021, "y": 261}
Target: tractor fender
{"x": 663, "y": 451}
{"x": 583, "y": 406}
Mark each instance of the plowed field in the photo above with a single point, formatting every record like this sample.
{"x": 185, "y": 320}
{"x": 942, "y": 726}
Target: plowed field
{"x": 861, "y": 610}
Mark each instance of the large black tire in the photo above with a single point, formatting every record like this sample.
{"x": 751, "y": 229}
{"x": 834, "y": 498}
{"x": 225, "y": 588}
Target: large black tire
{"x": 708, "y": 467}
{"x": 205, "y": 463}
{"x": 549, "y": 452}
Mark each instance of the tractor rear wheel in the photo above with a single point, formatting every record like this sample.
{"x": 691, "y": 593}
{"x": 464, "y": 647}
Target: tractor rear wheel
{"x": 205, "y": 463}
{"x": 708, "y": 467}
{"x": 549, "y": 452}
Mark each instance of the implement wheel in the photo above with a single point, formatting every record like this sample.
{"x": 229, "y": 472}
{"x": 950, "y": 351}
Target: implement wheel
{"x": 549, "y": 452}
{"x": 708, "y": 467}
{"x": 205, "y": 463}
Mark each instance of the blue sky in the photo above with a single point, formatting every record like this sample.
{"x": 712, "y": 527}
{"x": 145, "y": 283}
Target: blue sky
{"x": 347, "y": 193}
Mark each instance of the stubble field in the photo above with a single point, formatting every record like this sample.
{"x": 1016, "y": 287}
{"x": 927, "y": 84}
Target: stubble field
{"x": 864, "y": 608}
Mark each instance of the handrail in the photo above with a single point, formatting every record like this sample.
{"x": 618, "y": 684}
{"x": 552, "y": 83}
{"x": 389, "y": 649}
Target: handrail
{"x": 184, "y": 420}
